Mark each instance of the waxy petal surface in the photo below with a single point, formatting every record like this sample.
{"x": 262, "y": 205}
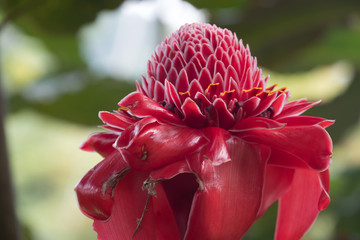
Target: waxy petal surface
{"x": 101, "y": 143}
{"x": 204, "y": 148}
{"x": 216, "y": 151}
{"x": 298, "y": 208}
{"x": 116, "y": 120}
{"x": 218, "y": 210}
{"x": 306, "y": 120}
{"x": 309, "y": 145}
{"x": 95, "y": 190}
{"x": 148, "y": 144}
{"x": 141, "y": 106}
{"x": 158, "y": 222}
{"x": 277, "y": 182}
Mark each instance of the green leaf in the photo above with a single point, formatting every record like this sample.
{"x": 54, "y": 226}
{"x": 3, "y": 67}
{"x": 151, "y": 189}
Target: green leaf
{"x": 345, "y": 191}
{"x": 339, "y": 44}
{"x": 74, "y": 96}
{"x": 55, "y": 16}
{"x": 56, "y": 23}
{"x": 280, "y": 31}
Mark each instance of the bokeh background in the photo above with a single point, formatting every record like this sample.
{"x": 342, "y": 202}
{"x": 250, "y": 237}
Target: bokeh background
{"x": 63, "y": 61}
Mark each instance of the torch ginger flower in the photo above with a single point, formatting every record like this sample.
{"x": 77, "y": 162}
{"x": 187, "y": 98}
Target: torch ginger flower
{"x": 203, "y": 148}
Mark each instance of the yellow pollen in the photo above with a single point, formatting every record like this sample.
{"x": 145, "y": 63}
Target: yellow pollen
{"x": 251, "y": 89}
{"x": 211, "y": 84}
{"x": 121, "y": 108}
{"x": 282, "y": 90}
{"x": 184, "y": 93}
{"x": 223, "y": 93}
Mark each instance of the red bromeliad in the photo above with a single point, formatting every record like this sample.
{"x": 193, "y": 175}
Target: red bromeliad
{"x": 203, "y": 148}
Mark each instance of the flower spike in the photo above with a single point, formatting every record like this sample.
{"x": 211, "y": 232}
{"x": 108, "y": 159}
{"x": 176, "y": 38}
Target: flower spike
{"x": 203, "y": 148}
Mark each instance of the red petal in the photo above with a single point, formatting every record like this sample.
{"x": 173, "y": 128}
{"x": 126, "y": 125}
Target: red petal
{"x": 204, "y": 101}
{"x": 172, "y": 76}
{"x": 172, "y": 95}
{"x": 180, "y": 192}
{"x": 255, "y": 123}
{"x": 189, "y": 52}
{"x": 194, "y": 88}
{"x": 193, "y": 116}
{"x": 277, "y": 182}
{"x": 142, "y": 106}
{"x": 148, "y": 144}
{"x": 158, "y": 222}
{"x": 231, "y": 196}
{"x": 250, "y": 105}
{"x": 159, "y": 92}
{"x": 298, "y": 208}
{"x": 325, "y": 183}
{"x": 264, "y": 104}
{"x": 116, "y": 120}
{"x": 139, "y": 88}
{"x": 205, "y": 78}
{"x": 160, "y": 73}
{"x": 220, "y": 68}
{"x": 295, "y": 108}
{"x": 164, "y": 216}
{"x": 230, "y": 74}
{"x": 182, "y": 83}
{"x": 206, "y": 50}
{"x": 226, "y": 119}
{"x": 199, "y": 61}
{"x": 170, "y": 170}
{"x": 101, "y": 143}
{"x": 178, "y": 62}
{"x": 95, "y": 190}
{"x": 279, "y": 103}
{"x": 210, "y": 64}
{"x": 293, "y": 144}
{"x": 305, "y": 120}
{"x": 191, "y": 71}
{"x": 216, "y": 151}
{"x": 180, "y": 188}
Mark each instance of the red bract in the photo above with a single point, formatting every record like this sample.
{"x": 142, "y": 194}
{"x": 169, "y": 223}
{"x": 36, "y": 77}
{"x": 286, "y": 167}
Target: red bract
{"x": 203, "y": 148}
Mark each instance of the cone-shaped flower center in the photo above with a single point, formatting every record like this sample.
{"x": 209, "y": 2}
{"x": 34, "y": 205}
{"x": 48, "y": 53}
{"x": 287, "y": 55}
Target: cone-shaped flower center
{"x": 207, "y": 77}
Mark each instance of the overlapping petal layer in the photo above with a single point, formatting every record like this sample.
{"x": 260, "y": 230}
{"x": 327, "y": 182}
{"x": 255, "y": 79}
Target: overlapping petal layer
{"x": 218, "y": 208}
{"x": 288, "y": 144}
{"x": 147, "y": 144}
{"x": 136, "y": 215}
{"x": 95, "y": 190}
{"x": 300, "y": 205}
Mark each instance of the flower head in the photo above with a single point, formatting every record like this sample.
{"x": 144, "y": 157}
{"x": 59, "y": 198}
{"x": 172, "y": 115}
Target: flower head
{"x": 204, "y": 147}
{"x": 207, "y": 77}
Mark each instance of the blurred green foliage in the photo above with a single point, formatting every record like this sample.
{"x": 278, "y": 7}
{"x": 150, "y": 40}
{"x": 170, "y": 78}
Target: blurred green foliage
{"x": 286, "y": 36}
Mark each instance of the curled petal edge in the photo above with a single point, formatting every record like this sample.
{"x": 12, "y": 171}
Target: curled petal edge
{"x": 95, "y": 190}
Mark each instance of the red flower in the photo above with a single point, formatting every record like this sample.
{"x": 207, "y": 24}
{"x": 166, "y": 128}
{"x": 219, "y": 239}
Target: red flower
{"x": 203, "y": 148}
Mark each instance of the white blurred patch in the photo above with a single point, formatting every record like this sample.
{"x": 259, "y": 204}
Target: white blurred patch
{"x": 120, "y": 42}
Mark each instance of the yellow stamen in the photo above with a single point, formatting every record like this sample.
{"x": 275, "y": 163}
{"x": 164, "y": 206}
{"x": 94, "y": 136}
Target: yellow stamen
{"x": 121, "y": 108}
{"x": 282, "y": 90}
{"x": 251, "y": 89}
{"x": 184, "y": 93}
{"x": 208, "y": 88}
{"x": 226, "y": 92}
